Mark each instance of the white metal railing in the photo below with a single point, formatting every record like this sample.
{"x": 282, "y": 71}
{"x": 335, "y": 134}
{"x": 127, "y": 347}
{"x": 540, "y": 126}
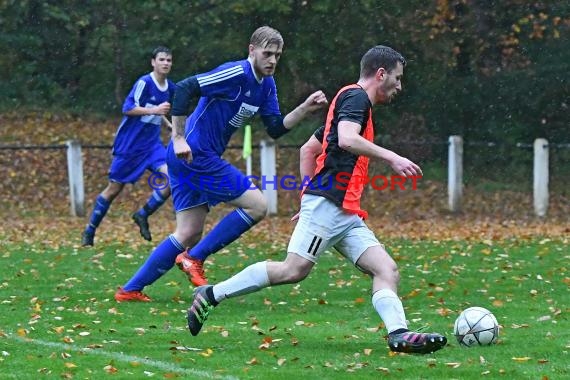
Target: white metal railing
{"x": 540, "y": 175}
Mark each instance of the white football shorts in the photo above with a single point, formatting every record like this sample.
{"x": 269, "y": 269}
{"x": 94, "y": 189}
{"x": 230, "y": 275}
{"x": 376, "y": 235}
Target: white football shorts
{"x": 323, "y": 225}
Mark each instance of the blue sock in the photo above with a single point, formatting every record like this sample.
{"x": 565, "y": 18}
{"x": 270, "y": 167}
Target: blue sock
{"x": 227, "y": 230}
{"x": 154, "y": 202}
{"x": 158, "y": 263}
{"x": 99, "y": 210}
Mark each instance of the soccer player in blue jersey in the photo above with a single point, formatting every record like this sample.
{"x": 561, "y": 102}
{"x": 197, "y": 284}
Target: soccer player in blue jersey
{"x": 137, "y": 146}
{"x": 229, "y": 96}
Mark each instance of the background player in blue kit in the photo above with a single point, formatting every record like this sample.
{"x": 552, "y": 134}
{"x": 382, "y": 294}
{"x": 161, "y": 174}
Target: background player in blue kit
{"x": 229, "y": 96}
{"x": 137, "y": 146}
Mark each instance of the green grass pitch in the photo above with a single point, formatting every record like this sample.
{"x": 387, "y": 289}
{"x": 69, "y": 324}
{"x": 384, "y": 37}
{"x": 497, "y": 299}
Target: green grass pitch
{"x": 58, "y": 317}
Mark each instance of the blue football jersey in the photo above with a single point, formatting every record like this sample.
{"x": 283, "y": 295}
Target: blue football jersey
{"x": 230, "y": 96}
{"x": 141, "y": 133}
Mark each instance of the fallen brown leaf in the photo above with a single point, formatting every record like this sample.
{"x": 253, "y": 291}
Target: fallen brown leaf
{"x": 110, "y": 369}
{"x": 207, "y": 353}
{"x": 253, "y": 361}
{"x": 522, "y": 359}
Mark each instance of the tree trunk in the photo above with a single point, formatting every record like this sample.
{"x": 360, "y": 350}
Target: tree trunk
{"x": 486, "y": 38}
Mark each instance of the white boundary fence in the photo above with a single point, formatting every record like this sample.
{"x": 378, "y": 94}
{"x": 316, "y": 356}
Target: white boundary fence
{"x": 268, "y": 168}
{"x": 540, "y": 175}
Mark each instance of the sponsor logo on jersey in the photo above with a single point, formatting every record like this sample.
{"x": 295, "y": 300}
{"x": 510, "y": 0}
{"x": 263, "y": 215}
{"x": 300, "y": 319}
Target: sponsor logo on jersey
{"x": 246, "y": 112}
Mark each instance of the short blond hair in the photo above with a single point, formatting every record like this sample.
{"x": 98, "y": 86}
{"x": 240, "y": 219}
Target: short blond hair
{"x": 266, "y": 35}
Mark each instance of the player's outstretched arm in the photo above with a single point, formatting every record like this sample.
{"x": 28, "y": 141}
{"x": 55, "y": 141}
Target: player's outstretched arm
{"x": 314, "y": 102}
{"x": 349, "y": 139}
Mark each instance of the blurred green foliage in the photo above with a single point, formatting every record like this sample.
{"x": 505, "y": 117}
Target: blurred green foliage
{"x": 487, "y": 70}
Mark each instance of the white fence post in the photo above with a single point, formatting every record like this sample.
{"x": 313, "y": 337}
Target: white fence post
{"x": 269, "y": 174}
{"x": 75, "y": 174}
{"x": 455, "y": 173}
{"x": 540, "y": 174}
{"x": 248, "y": 165}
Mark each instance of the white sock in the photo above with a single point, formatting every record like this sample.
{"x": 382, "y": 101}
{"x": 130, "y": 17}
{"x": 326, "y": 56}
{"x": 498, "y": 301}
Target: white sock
{"x": 249, "y": 280}
{"x": 390, "y": 308}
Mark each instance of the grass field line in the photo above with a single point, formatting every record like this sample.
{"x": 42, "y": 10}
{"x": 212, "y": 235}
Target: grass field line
{"x": 124, "y": 358}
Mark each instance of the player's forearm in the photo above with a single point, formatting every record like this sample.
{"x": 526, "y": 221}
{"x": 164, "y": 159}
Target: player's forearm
{"x": 141, "y": 111}
{"x": 308, "y": 157}
{"x": 178, "y": 126}
{"x": 307, "y": 168}
{"x": 349, "y": 139}
{"x": 358, "y": 145}
{"x": 294, "y": 117}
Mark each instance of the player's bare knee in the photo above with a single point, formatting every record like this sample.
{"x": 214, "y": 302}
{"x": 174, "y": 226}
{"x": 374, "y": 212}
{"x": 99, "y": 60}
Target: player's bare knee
{"x": 395, "y": 275}
{"x": 389, "y": 272}
{"x": 257, "y": 211}
{"x": 386, "y": 270}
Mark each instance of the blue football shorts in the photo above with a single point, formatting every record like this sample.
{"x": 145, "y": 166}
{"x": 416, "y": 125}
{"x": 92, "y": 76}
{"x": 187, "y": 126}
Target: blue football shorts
{"x": 130, "y": 168}
{"x": 208, "y": 180}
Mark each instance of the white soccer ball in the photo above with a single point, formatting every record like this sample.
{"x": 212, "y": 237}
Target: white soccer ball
{"x": 476, "y": 326}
